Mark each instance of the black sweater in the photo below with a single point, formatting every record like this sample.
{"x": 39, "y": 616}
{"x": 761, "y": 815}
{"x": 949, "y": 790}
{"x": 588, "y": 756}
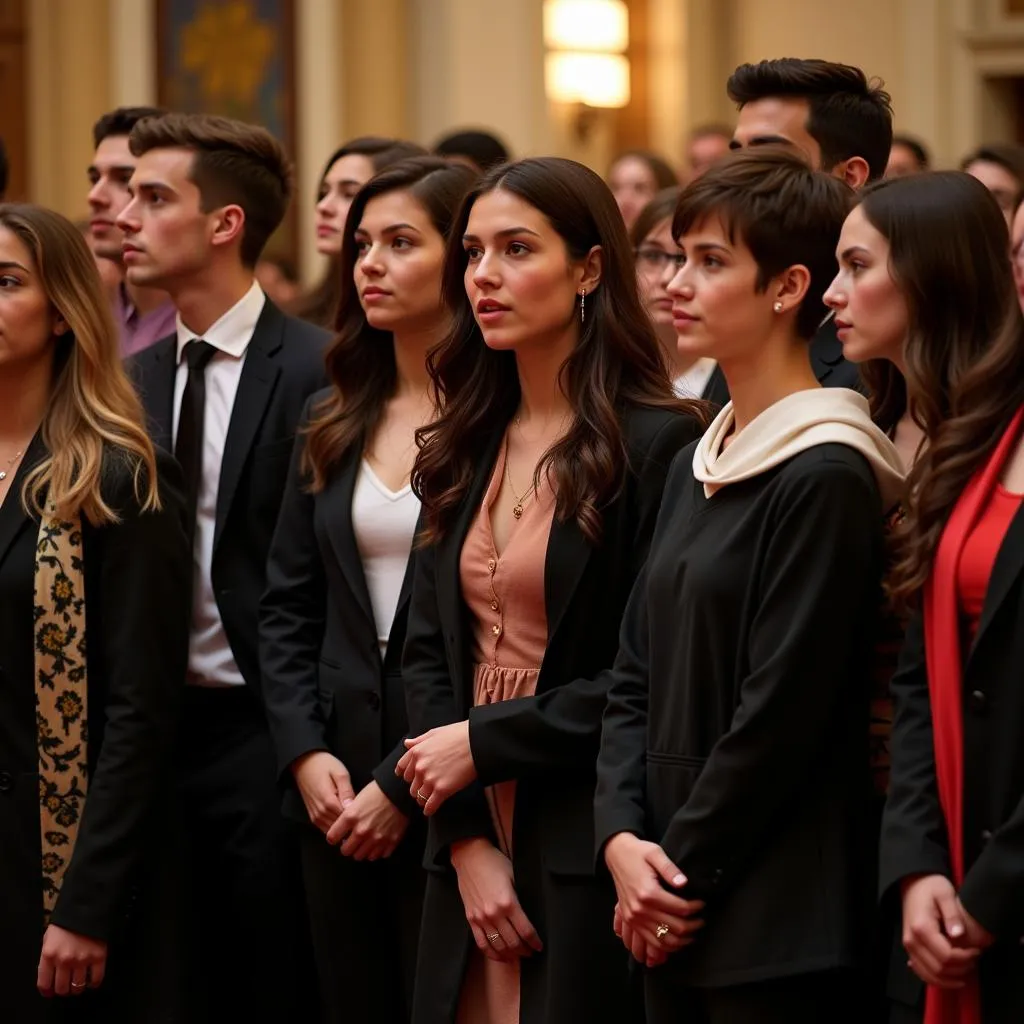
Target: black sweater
{"x": 736, "y": 729}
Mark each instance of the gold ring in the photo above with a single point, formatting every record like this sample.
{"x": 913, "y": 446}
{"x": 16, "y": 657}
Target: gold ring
{"x": 422, "y": 799}
{"x": 494, "y": 937}
{"x": 661, "y": 931}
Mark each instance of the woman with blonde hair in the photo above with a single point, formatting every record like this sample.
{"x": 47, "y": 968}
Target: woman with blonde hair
{"x": 94, "y": 590}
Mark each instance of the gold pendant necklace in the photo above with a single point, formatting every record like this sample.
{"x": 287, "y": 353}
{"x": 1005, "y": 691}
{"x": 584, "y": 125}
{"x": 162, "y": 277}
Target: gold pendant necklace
{"x": 517, "y": 508}
{"x": 17, "y": 455}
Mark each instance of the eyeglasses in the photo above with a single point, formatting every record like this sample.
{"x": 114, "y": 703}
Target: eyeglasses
{"x": 658, "y": 259}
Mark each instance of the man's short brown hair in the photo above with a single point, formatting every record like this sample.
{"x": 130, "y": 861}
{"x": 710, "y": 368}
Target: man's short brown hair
{"x": 235, "y": 163}
{"x": 783, "y": 211}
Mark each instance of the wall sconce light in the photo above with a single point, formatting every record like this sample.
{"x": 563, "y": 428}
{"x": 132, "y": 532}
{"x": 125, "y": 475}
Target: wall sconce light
{"x": 585, "y": 64}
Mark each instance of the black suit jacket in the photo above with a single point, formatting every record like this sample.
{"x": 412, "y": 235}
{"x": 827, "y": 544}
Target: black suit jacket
{"x": 547, "y": 742}
{"x": 284, "y": 365}
{"x": 827, "y": 361}
{"x": 914, "y": 838}
{"x": 325, "y": 684}
{"x": 137, "y": 597}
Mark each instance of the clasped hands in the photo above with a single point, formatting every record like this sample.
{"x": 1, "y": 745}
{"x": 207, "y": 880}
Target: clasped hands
{"x": 940, "y": 937}
{"x": 651, "y": 921}
{"x": 437, "y": 765}
{"x": 368, "y": 826}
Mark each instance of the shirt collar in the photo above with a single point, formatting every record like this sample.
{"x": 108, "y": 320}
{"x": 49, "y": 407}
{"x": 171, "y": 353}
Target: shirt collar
{"x": 232, "y": 333}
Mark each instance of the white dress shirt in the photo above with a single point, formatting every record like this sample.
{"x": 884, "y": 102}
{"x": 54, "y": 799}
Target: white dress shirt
{"x": 692, "y": 382}
{"x": 210, "y": 658}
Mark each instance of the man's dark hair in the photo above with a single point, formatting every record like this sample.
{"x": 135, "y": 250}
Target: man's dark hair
{"x": 121, "y": 122}
{"x": 849, "y": 116}
{"x": 234, "y": 163}
{"x": 786, "y": 214}
{"x": 1004, "y": 154}
{"x": 483, "y": 148}
{"x": 916, "y": 147}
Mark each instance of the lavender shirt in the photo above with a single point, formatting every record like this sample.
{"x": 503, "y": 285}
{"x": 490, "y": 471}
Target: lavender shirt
{"x": 139, "y": 332}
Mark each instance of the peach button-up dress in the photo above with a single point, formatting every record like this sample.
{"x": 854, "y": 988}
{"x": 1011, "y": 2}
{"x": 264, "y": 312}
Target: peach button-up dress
{"x": 505, "y": 594}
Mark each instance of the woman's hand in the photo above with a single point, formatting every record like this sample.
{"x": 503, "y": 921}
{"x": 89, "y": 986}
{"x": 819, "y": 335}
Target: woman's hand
{"x": 935, "y": 932}
{"x": 500, "y": 928}
{"x": 324, "y": 784}
{"x": 438, "y": 765}
{"x": 651, "y": 921}
{"x": 370, "y": 826}
{"x": 70, "y": 963}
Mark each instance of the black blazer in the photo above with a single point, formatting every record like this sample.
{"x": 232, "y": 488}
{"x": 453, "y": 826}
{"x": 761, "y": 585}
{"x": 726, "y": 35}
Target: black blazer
{"x": 284, "y": 365}
{"x": 827, "y": 361}
{"x": 325, "y": 684}
{"x": 138, "y": 589}
{"x": 548, "y": 742}
{"x": 736, "y": 728}
{"x": 914, "y": 839}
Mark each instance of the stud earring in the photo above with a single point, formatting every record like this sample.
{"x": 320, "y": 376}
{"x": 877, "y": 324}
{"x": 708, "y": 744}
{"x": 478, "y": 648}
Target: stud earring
{"x": 777, "y": 307}
{"x": 583, "y": 303}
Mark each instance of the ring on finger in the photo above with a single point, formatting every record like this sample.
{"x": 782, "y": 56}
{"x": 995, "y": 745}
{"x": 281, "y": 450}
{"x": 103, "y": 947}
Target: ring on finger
{"x": 421, "y": 796}
{"x": 79, "y": 985}
{"x": 661, "y": 931}
{"x": 494, "y": 937}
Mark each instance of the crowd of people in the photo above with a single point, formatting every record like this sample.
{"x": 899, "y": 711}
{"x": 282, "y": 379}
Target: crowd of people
{"x": 593, "y": 600}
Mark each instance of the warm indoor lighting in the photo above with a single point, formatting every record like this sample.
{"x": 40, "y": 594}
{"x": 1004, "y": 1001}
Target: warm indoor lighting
{"x": 595, "y": 79}
{"x": 586, "y": 40}
{"x": 593, "y": 25}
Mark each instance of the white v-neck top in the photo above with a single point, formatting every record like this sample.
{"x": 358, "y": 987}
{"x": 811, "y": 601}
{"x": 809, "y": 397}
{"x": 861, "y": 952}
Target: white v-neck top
{"x": 384, "y": 523}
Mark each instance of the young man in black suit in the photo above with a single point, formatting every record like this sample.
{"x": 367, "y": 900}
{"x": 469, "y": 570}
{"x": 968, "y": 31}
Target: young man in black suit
{"x": 842, "y": 123}
{"x": 225, "y": 394}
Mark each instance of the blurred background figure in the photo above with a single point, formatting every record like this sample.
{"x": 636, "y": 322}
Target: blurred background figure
{"x": 634, "y": 177}
{"x": 907, "y": 156}
{"x": 1017, "y": 247}
{"x": 657, "y": 260}
{"x": 348, "y": 169}
{"x": 707, "y": 144}
{"x": 476, "y": 149}
{"x": 1000, "y": 168}
{"x": 276, "y": 276}
{"x": 110, "y": 272}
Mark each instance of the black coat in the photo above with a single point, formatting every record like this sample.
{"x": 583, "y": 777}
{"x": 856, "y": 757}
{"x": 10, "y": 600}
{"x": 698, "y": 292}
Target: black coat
{"x": 137, "y": 597}
{"x": 284, "y": 365}
{"x": 736, "y": 728}
{"x": 548, "y": 742}
{"x": 326, "y": 686}
{"x": 914, "y": 838}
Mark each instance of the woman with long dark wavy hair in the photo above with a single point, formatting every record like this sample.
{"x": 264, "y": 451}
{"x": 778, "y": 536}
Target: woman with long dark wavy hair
{"x": 540, "y": 484}
{"x": 898, "y": 316}
{"x": 333, "y": 617}
{"x": 951, "y": 847}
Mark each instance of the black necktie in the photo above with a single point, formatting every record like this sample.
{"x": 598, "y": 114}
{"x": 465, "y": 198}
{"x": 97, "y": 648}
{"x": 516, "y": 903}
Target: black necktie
{"x": 188, "y": 445}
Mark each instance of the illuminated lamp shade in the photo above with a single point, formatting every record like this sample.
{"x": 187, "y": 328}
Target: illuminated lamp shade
{"x": 595, "y": 79}
{"x": 593, "y": 25}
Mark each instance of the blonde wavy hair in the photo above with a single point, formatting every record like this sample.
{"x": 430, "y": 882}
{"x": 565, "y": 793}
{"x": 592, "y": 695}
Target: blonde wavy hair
{"x": 94, "y": 414}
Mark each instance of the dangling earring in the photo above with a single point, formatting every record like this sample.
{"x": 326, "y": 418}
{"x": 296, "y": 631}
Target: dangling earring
{"x": 583, "y": 301}
{"x": 777, "y": 307}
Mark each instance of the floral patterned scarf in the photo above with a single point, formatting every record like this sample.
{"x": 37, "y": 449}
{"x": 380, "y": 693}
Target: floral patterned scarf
{"x": 61, "y": 696}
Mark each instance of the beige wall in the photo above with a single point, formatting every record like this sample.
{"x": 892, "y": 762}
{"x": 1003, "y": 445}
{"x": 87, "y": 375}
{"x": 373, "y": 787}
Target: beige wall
{"x": 419, "y": 67}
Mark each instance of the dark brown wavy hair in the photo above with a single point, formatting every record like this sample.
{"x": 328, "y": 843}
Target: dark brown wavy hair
{"x": 964, "y": 352}
{"x": 361, "y": 359}
{"x": 616, "y": 363}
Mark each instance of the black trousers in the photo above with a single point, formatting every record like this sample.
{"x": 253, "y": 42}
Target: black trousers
{"x": 365, "y": 923}
{"x": 245, "y": 944}
{"x": 820, "y": 998}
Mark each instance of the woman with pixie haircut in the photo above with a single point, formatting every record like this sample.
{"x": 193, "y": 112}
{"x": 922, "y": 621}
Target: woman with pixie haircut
{"x": 733, "y": 769}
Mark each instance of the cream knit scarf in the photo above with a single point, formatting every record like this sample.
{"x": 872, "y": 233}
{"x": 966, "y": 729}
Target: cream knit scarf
{"x": 792, "y": 425}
